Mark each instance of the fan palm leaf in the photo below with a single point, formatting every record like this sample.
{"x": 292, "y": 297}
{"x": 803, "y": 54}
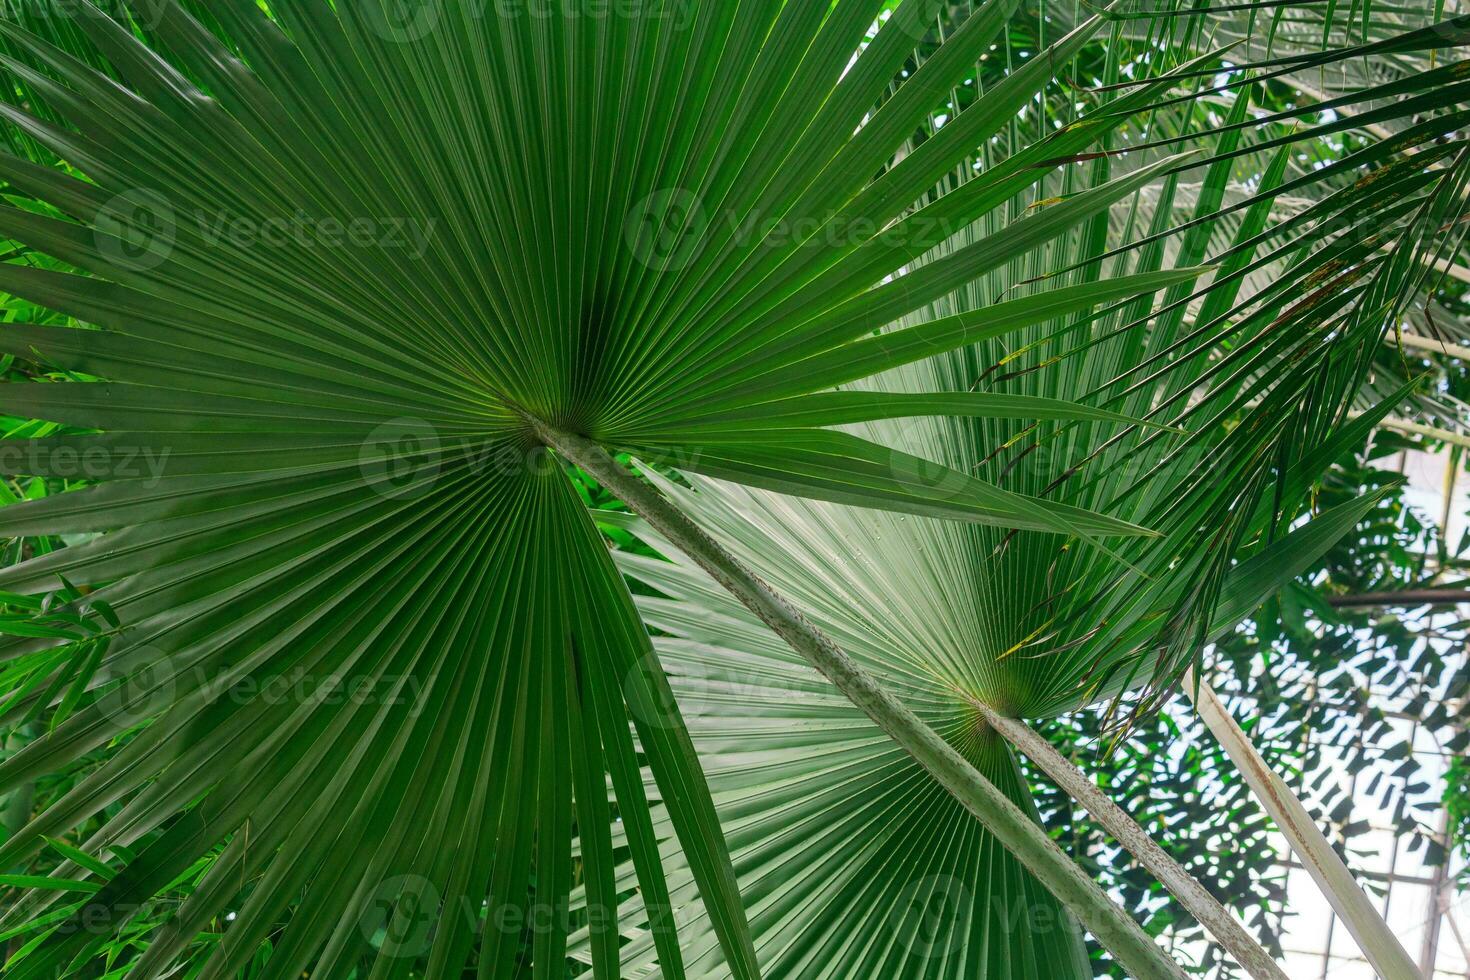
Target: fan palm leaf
{"x": 853, "y": 860}
{"x": 323, "y": 268}
{"x": 1264, "y": 373}
{"x": 331, "y": 268}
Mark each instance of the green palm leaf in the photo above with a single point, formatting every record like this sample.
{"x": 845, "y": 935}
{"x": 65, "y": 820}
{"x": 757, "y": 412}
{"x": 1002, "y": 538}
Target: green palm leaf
{"x": 853, "y": 861}
{"x": 328, "y": 269}
{"x": 321, "y": 266}
{"x": 1261, "y": 369}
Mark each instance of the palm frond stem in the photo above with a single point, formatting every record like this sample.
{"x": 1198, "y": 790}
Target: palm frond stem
{"x": 1113, "y": 927}
{"x": 1404, "y": 598}
{"x": 1368, "y": 929}
{"x": 1433, "y": 346}
{"x": 1231, "y": 935}
{"x": 1419, "y": 429}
